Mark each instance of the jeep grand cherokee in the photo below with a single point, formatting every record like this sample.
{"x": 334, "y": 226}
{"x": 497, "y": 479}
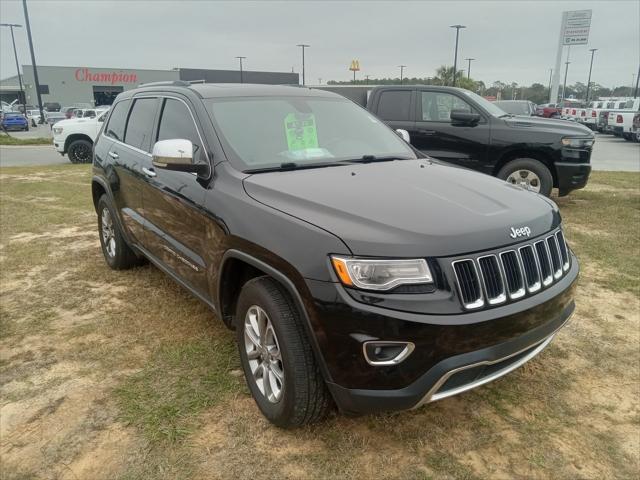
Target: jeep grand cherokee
{"x": 354, "y": 270}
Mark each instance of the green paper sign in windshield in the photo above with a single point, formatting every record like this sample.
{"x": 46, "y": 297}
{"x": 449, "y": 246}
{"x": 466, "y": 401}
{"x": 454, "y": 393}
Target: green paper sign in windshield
{"x": 301, "y": 131}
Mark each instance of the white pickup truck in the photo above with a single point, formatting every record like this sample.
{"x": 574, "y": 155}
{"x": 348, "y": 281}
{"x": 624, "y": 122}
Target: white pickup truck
{"x": 621, "y": 119}
{"x": 75, "y": 136}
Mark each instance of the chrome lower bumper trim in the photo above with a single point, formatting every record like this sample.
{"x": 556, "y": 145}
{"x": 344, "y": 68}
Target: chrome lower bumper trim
{"x": 433, "y": 394}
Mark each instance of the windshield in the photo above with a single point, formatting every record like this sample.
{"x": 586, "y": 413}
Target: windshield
{"x": 267, "y": 132}
{"x": 515, "y": 108}
{"x": 491, "y": 108}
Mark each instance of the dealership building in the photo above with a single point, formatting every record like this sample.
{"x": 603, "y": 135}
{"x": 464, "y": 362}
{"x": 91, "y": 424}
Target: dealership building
{"x": 99, "y": 86}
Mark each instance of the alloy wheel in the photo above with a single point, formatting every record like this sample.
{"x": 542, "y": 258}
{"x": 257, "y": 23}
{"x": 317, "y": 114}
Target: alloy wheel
{"x": 263, "y": 353}
{"x": 526, "y": 179}
{"x": 108, "y": 233}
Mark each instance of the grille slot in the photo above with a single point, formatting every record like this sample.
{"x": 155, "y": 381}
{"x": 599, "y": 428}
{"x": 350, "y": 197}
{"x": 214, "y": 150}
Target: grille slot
{"x": 492, "y": 279}
{"x": 468, "y": 283}
{"x": 564, "y": 252}
{"x": 531, "y": 268}
{"x": 554, "y": 251}
{"x": 544, "y": 261}
{"x": 513, "y": 273}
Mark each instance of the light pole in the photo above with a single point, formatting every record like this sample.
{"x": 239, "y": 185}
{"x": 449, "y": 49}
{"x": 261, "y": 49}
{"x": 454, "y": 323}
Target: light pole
{"x": 564, "y": 84}
{"x": 550, "y": 74}
{"x": 592, "y": 50}
{"x": 22, "y": 100}
{"x": 633, "y": 78}
{"x": 303, "y": 46}
{"x": 402, "y": 67}
{"x": 241, "y": 58}
{"x": 635, "y": 92}
{"x": 455, "y": 57}
{"x": 469, "y": 68}
{"x": 33, "y": 60}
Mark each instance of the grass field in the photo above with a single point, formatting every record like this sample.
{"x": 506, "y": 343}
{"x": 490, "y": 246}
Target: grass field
{"x": 11, "y": 140}
{"x": 123, "y": 375}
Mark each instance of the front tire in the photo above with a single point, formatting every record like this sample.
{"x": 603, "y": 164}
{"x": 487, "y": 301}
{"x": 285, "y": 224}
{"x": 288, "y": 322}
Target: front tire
{"x": 529, "y": 173}
{"x": 80, "y": 151}
{"x": 276, "y": 356}
{"x": 117, "y": 253}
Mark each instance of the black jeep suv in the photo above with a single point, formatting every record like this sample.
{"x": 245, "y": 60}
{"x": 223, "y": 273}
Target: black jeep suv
{"x": 354, "y": 269}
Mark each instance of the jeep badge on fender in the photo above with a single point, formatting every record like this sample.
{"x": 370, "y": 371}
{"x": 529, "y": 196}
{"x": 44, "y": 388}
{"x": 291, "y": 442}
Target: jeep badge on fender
{"x": 520, "y": 232}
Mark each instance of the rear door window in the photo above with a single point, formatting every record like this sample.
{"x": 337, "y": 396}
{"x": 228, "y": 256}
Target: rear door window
{"x": 140, "y": 123}
{"x": 395, "y": 105}
{"x": 115, "y": 127}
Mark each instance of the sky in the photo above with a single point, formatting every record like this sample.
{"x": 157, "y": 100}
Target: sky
{"x": 512, "y": 41}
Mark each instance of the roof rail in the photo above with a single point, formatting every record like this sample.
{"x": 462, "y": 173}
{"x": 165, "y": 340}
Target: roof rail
{"x": 167, "y": 83}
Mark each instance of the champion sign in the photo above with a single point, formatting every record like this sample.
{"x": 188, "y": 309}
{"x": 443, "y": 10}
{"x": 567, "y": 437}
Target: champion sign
{"x": 86, "y": 75}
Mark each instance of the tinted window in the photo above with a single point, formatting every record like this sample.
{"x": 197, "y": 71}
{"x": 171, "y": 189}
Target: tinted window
{"x": 437, "y": 106}
{"x": 395, "y": 105}
{"x": 115, "y": 128}
{"x": 140, "y": 124}
{"x": 176, "y": 122}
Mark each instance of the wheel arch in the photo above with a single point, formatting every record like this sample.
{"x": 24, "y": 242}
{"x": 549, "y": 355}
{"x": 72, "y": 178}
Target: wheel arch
{"x": 542, "y": 157}
{"x": 233, "y": 266}
{"x": 76, "y": 136}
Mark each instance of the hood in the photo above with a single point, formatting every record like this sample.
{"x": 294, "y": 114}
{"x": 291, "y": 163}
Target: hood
{"x": 74, "y": 121}
{"x": 406, "y": 208}
{"x": 562, "y": 127}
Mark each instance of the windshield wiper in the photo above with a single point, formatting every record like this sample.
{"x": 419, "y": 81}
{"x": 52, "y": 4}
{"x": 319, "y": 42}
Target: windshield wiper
{"x": 373, "y": 158}
{"x": 287, "y": 166}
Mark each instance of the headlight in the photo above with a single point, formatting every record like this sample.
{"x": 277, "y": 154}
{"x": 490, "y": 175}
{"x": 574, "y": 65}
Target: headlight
{"x": 378, "y": 274}
{"x": 578, "y": 142}
{"x": 57, "y": 130}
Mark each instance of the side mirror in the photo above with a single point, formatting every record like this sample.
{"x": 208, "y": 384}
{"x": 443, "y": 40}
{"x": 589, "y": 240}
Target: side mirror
{"x": 176, "y": 154}
{"x": 462, "y": 117}
{"x": 403, "y": 134}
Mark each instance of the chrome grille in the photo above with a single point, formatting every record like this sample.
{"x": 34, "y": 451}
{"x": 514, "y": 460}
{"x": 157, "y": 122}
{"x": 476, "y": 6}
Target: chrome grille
{"x": 511, "y": 274}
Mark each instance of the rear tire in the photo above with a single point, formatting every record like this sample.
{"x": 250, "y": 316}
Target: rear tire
{"x": 117, "y": 253}
{"x": 528, "y": 172}
{"x": 271, "y": 338}
{"x": 80, "y": 151}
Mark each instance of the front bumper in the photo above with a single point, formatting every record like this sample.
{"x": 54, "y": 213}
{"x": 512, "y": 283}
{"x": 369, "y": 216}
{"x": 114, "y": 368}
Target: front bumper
{"x": 453, "y": 353}
{"x": 573, "y": 169}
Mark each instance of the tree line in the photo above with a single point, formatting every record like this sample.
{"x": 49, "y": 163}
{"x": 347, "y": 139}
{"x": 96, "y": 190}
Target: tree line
{"x": 536, "y": 92}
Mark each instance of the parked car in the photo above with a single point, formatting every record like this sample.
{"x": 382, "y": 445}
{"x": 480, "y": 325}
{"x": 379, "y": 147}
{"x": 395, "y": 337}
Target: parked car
{"x": 635, "y": 128}
{"x": 33, "y": 116}
{"x": 52, "y": 106}
{"x": 14, "y": 121}
{"x": 590, "y": 119}
{"x": 54, "y": 117}
{"x": 624, "y": 124}
{"x": 517, "y": 107}
{"x": 354, "y": 270}
{"x": 460, "y": 127}
{"x": 548, "y": 110}
{"x": 75, "y": 137}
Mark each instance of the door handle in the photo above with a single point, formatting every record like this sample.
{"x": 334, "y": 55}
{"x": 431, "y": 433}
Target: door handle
{"x": 427, "y": 132}
{"x": 149, "y": 172}
{"x": 114, "y": 155}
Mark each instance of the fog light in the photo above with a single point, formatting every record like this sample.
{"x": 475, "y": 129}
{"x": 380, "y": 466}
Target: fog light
{"x": 380, "y": 353}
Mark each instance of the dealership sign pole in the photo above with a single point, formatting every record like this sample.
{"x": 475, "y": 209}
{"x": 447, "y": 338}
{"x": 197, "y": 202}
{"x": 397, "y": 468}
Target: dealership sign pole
{"x": 574, "y": 30}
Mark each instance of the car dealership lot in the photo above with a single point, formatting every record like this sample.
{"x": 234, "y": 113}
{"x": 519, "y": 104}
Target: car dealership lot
{"x": 96, "y": 387}
{"x": 609, "y": 153}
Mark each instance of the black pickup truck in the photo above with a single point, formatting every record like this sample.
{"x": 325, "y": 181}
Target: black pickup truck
{"x": 458, "y": 126}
